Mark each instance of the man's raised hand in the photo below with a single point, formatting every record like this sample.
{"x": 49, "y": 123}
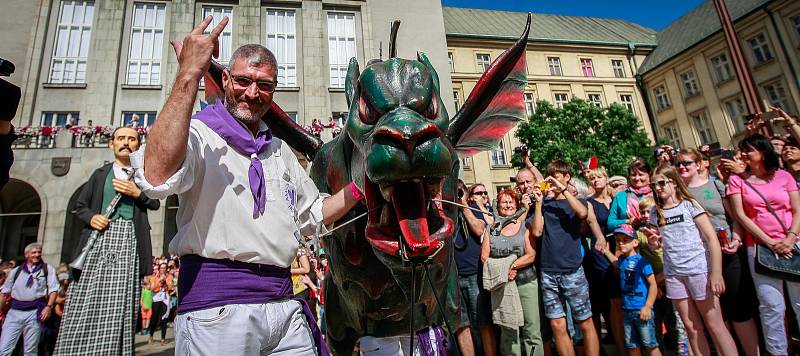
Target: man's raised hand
{"x": 194, "y": 54}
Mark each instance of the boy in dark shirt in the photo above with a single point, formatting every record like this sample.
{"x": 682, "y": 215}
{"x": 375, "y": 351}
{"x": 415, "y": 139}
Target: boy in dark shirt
{"x": 558, "y": 224}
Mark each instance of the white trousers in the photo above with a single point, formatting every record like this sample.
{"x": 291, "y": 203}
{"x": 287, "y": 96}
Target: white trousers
{"x": 276, "y": 328}
{"x": 20, "y": 322}
{"x": 772, "y": 308}
{"x": 393, "y": 346}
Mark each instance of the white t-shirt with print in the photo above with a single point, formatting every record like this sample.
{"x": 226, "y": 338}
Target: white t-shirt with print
{"x": 684, "y": 249}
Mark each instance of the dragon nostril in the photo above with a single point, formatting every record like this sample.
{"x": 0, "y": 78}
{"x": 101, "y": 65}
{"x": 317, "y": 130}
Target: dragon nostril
{"x": 428, "y": 135}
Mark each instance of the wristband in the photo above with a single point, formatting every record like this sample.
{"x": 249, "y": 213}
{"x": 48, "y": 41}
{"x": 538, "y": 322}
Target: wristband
{"x": 355, "y": 192}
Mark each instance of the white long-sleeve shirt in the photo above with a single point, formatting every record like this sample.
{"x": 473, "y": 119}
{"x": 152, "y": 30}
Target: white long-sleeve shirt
{"x": 215, "y": 217}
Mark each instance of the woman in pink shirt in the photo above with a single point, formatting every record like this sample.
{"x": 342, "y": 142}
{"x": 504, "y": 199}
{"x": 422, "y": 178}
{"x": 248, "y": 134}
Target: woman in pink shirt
{"x": 780, "y": 189}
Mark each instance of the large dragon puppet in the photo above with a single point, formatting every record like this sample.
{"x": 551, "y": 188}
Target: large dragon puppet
{"x": 401, "y": 148}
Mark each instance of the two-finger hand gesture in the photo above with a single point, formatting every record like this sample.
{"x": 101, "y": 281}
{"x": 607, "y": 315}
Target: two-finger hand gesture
{"x": 194, "y": 54}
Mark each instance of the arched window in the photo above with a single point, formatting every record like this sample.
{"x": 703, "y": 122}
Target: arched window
{"x": 20, "y": 212}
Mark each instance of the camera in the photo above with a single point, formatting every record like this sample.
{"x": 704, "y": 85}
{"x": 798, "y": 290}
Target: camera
{"x": 460, "y": 193}
{"x": 521, "y": 149}
{"x": 6, "y": 67}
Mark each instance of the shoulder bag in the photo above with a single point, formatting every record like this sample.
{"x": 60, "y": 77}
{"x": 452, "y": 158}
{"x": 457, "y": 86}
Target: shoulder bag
{"x": 766, "y": 261}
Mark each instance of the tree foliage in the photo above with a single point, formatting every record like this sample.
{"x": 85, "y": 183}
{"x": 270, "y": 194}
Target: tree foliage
{"x": 579, "y": 130}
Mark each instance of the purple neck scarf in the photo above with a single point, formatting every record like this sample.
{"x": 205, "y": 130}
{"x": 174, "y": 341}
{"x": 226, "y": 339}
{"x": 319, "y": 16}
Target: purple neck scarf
{"x": 218, "y": 119}
{"x": 30, "y": 273}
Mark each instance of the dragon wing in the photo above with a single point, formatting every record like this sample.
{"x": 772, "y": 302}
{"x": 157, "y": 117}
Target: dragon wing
{"x": 495, "y": 105}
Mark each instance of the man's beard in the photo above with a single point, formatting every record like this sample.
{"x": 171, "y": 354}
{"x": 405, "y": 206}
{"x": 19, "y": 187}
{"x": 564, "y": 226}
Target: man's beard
{"x": 247, "y": 117}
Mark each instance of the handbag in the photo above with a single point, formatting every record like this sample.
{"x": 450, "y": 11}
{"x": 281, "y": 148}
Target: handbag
{"x": 767, "y": 262}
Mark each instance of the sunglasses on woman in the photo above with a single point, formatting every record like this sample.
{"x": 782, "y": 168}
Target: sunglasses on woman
{"x": 684, "y": 163}
{"x": 480, "y": 193}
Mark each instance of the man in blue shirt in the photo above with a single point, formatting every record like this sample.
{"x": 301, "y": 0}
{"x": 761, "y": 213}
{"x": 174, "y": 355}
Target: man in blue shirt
{"x": 558, "y": 224}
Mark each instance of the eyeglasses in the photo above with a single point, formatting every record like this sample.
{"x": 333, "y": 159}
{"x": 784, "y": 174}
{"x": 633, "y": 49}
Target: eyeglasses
{"x": 660, "y": 184}
{"x": 262, "y": 85}
{"x": 684, "y": 163}
{"x": 480, "y": 193}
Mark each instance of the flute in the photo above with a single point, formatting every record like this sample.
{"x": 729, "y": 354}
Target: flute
{"x": 81, "y": 259}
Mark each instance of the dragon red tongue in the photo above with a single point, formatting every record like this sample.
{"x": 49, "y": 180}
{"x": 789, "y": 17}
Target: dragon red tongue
{"x": 408, "y": 199}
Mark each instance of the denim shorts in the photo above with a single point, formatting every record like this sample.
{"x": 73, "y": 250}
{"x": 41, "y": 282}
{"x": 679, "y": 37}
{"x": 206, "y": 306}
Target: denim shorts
{"x": 476, "y": 302}
{"x": 571, "y": 288}
{"x": 638, "y": 332}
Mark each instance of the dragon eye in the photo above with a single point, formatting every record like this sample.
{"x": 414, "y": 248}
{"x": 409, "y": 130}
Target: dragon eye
{"x": 366, "y": 112}
{"x": 432, "y": 112}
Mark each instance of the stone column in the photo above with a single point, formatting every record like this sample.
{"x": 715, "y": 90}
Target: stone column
{"x": 314, "y": 94}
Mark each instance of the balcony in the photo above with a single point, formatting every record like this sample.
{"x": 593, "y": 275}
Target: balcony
{"x": 46, "y": 137}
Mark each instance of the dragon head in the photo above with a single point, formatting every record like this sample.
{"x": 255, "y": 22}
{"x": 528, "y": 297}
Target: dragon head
{"x": 397, "y": 123}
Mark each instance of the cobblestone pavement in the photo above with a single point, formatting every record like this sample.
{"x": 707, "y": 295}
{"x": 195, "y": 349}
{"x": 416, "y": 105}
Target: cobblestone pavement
{"x": 155, "y": 349}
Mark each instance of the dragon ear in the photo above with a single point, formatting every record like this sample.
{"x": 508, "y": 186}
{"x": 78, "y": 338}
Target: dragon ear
{"x": 434, "y": 76}
{"x": 351, "y": 81}
{"x": 495, "y": 105}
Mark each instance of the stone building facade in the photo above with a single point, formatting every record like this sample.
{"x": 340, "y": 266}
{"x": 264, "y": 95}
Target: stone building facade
{"x": 690, "y": 80}
{"x": 109, "y": 61}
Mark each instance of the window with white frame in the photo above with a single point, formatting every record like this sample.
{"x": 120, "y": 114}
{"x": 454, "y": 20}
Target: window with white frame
{"x": 147, "y": 39}
{"x": 690, "y": 85}
{"x": 662, "y": 99}
{"x": 226, "y": 37}
{"x": 560, "y": 99}
{"x": 595, "y": 99}
{"x": 722, "y": 68}
{"x": 672, "y": 135}
{"x": 450, "y": 61}
{"x": 760, "y": 47}
{"x": 554, "y": 63}
{"x": 705, "y": 131}
{"x": 530, "y": 103}
{"x": 587, "y": 68}
{"x": 138, "y": 118}
{"x": 466, "y": 162}
{"x": 60, "y": 118}
{"x": 618, "y": 67}
{"x": 482, "y": 60}
{"x": 341, "y": 45}
{"x": 737, "y": 113}
{"x": 776, "y": 95}
{"x": 457, "y": 99}
{"x": 627, "y": 101}
{"x": 71, "y": 49}
{"x": 281, "y": 40}
{"x": 499, "y": 155}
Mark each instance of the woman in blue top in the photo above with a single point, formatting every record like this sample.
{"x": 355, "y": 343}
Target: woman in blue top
{"x": 625, "y": 207}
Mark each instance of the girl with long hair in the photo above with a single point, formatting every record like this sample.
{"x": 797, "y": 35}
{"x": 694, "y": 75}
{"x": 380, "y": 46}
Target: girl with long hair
{"x": 693, "y": 271}
{"x": 739, "y": 289}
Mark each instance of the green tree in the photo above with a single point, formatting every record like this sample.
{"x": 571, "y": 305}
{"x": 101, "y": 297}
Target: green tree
{"x": 579, "y": 130}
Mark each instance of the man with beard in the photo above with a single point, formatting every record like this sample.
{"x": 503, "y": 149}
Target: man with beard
{"x": 101, "y": 308}
{"x": 245, "y": 203}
